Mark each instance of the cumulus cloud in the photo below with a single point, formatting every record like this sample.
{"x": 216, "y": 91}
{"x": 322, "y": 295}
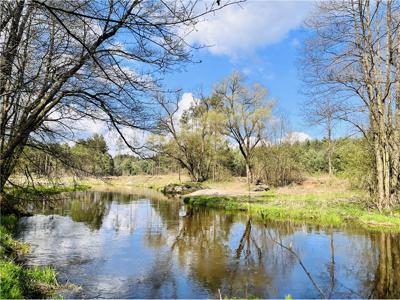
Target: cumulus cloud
{"x": 184, "y": 104}
{"x": 135, "y": 137}
{"x": 297, "y": 136}
{"x": 242, "y": 28}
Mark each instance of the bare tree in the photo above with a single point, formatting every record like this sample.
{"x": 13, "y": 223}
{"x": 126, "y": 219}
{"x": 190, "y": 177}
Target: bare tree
{"x": 326, "y": 113}
{"x": 63, "y": 61}
{"x": 353, "y": 53}
{"x": 246, "y": 110}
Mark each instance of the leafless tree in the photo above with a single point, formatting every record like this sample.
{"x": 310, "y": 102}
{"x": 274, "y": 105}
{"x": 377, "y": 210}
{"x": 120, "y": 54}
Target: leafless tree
{"x": 353, "y": 54}
{"x": 64, "y": 61}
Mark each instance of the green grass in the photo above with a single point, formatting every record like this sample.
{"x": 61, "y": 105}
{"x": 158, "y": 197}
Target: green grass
{"x": 307, "y": 208}
{"x": 17, "y": 281}
{"x": 45, "y": 190}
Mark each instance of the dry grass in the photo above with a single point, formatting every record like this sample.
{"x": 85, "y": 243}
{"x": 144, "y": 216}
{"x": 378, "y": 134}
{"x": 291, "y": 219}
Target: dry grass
{"x": 137, "y": 181}
{"x": 314, "y": 184}
{"x": 322, "y": 186}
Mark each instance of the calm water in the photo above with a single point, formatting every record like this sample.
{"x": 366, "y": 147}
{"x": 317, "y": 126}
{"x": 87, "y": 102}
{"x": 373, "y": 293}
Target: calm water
{"x": 117, "y": 245}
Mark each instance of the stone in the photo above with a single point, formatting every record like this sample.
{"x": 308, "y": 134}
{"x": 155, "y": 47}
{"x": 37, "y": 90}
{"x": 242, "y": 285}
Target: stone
{"x": 261, "y": 188}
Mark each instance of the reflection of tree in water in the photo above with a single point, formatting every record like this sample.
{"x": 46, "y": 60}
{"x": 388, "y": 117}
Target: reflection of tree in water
{"x": 204, "y": 244}
{"x": 87, "y": 207}
{"x": 387, "y": 275}
{"x": 89, "y": 212}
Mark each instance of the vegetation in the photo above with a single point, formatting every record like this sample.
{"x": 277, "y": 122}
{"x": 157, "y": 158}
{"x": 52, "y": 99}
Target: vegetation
{"x": 324, "y": 209}
{"x": 64, "y": 64}
{"x": 360, "y": 77}
{"x": 16, "y": 281}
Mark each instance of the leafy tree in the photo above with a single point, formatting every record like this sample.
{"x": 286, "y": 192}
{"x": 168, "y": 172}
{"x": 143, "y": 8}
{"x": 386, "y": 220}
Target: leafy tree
{"x": 92, "y": 156}
{"x": 193, "y": 139}
{"x": 246, "y": 110}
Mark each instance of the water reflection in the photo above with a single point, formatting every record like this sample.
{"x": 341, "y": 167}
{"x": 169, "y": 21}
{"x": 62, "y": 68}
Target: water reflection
{"x": 118, "y": 245}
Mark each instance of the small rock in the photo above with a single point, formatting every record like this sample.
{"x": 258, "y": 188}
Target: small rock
{"x": 261, "y": 188}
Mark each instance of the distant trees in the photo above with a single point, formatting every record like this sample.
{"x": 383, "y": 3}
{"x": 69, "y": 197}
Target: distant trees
{"x": 353, "y": 54}
{"x": 324, "y": 112}
{"x": 234, "y": 112}
{"x": 63, "y": 61}
{"x": 91, "y": 156}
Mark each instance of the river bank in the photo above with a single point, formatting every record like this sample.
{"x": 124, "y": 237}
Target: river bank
{"x": 16, "y": 279}
{"x": 325, "y": 200}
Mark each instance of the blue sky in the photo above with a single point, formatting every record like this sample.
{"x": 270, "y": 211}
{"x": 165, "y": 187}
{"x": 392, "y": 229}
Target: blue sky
{"x": 263, "y": 40}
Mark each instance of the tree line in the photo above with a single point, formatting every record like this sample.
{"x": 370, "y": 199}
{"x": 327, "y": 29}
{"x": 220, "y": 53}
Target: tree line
{"x": 276, "y": 164}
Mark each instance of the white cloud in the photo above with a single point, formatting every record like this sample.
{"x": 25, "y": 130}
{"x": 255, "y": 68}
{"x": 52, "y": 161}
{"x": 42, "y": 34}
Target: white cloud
{"x": 297, "y": 136}
{"x": 238, "y": 29}
{"x": 135, "y": 137}
{"x": 184, "y": 104}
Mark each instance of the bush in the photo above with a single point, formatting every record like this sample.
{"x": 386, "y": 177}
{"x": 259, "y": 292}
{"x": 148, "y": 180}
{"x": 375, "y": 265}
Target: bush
{"x": 277, "y": 166}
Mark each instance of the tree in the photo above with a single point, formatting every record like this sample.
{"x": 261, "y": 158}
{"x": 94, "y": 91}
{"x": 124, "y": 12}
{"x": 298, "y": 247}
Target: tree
{"x": 91, "y": 156}
{"x": 353, "y": 53}
{"x": 64, "y": 61}
{"x": 193, "y": 139}
{"x": 246, "y": 110}
{"x": 326, "y": 113}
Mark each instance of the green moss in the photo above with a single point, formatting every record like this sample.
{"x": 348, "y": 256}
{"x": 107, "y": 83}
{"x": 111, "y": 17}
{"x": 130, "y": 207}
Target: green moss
{"x": 324, "y": 212}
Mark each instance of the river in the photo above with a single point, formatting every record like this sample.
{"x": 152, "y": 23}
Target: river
{"x": 142, "y": 245}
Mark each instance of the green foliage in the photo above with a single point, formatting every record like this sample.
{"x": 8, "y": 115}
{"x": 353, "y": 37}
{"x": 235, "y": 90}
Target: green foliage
{"x": 277, "y": 165}
{"x": 91, "y": 156}
{"x": 10, "y": 247}
{"x": 354, "y": 161}
{"x": 17, "y": 282}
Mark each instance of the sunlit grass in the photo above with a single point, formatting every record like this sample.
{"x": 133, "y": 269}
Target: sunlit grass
{"x": 311, "y": 209}
{"x": 17, "y": 281}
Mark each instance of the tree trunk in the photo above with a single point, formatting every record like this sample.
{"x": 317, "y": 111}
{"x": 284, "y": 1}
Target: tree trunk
{"x": 249, "y": 173}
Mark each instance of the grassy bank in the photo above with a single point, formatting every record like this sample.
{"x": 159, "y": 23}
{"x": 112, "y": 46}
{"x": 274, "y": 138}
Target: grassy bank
{"x": 16, "y": 280}
{"x": 322, "y": 209}
{"x": 14, "y": 200}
